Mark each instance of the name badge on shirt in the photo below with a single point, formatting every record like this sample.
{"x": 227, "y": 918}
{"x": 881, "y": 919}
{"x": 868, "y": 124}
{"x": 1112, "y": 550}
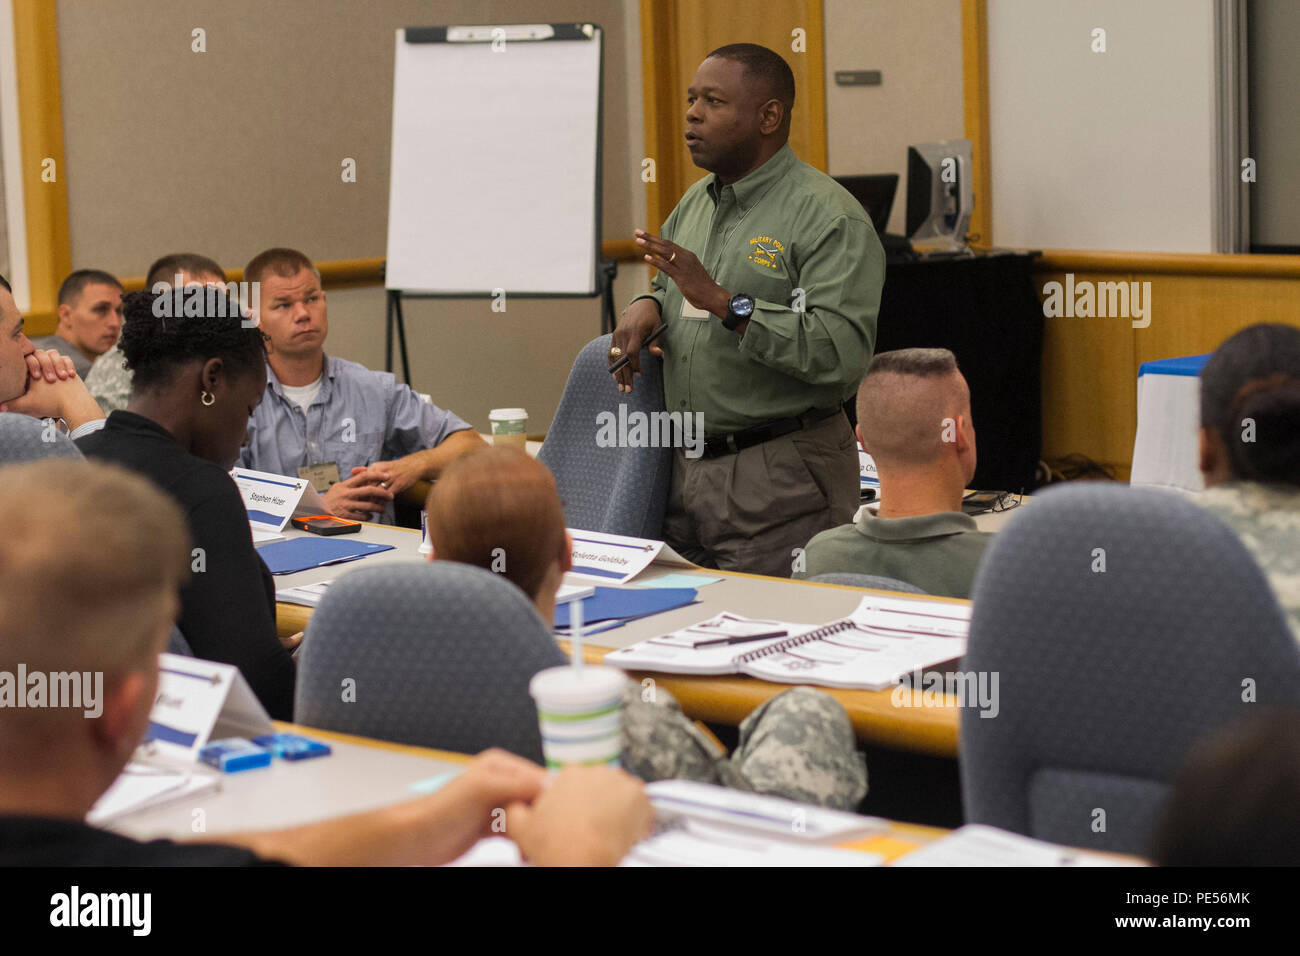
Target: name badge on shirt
{"x": 322, "y": 474}
{"x": 690, "y": 312}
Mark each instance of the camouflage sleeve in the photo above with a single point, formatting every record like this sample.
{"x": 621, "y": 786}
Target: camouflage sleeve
{"x": 109, "y": 381}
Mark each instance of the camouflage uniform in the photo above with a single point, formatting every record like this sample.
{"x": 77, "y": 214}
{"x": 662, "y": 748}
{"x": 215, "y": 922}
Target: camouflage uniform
{"x": 798, "y": 745}
{"x": 1267, "y": 519}
{"x": 109, "y": 381}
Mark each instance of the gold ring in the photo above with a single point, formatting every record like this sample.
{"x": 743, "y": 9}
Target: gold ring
{"x": 672, "y": 257}
{"x": 615, "y": 352}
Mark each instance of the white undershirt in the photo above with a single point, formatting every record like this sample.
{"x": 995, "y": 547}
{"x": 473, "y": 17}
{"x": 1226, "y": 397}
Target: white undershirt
{"x": 302, "y": 395}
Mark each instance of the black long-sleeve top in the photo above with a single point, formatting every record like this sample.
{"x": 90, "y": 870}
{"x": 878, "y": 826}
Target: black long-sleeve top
{"x": 228, "y": 607}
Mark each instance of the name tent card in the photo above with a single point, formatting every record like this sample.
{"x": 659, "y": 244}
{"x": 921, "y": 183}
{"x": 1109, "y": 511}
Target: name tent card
{"x": 271, "y": 500}
{"x": 616, "y": 558}
{"x": 200, "y": 700}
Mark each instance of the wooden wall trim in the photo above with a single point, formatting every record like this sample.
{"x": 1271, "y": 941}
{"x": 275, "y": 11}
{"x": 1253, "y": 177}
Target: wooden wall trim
{"x": 816, "y": 87}
{"x": 351, "y": 273}
{"x": 40, "y": 128}
{"x": 658, "y": 22}
{"x": 1193, "y": 303}
{"x": 1170, "y": 263}
{"x": 975, "y": 105}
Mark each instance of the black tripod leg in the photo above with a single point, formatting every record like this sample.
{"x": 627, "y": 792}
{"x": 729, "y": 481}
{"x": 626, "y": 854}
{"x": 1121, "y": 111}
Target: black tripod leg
{"x": 401, "y": 339}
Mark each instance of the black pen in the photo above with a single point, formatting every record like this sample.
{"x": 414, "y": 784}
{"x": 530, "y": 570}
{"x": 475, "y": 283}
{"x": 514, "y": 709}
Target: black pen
{"x": 738, "y": 640}
{"x": 627, "y": 358}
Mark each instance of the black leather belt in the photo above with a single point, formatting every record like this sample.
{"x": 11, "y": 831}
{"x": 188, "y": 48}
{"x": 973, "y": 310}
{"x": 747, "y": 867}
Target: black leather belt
{"x": 720, "y": 445}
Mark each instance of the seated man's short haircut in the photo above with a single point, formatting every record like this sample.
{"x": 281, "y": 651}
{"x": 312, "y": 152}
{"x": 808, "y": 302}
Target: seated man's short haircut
{"x": 73, "y": 284}
{"x": 499, "y": 509}
{"x": 92, "y": 557}
{"x": 903, "y": 401}
{"x": 191, "y": 263}
{"x": 775, "y": 78}
{"x": 284, "y": 263}
{"x": 1254, "y": 377}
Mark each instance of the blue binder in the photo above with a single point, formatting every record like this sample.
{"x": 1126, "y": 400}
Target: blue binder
{"x": 303, "y": 554}
{"x": 609, "y": 604}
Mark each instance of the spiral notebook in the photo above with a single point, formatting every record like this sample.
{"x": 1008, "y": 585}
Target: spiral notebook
{"x": 881, "y": 641}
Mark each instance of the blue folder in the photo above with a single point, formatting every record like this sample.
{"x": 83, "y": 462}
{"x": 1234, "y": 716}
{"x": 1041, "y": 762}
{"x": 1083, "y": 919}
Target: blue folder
{"x": 1189, "y": 365}
{"x": 303, "y": 554}
{"x": 609, "y": 604}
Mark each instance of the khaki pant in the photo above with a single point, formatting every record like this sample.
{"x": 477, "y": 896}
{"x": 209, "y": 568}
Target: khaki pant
{"x": 749, "y": 511}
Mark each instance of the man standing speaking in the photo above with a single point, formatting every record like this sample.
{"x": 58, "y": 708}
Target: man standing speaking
{"x": 768, "y": 286}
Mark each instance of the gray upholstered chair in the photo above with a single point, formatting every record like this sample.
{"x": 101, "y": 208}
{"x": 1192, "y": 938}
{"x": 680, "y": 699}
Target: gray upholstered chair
{"x": 613, "y": 490}
{"x": 877, "y": 582}
{"x": 1106, "y": 678}
{"x": 439, "y": 655}
{"x": 23, "y": 438}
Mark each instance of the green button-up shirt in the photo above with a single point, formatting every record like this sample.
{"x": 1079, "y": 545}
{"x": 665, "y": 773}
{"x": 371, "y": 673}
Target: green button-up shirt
{"x": 939, "y": 553}
{"x": 785, "y": 228}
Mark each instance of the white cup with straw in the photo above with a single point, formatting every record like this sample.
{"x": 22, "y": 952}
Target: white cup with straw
{"x": 579, "y": 709}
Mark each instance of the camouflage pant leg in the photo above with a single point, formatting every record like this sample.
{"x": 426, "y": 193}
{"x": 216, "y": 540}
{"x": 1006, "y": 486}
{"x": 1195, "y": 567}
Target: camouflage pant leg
{"x": 662, "y": 743}
{"x": 800, "y": 745}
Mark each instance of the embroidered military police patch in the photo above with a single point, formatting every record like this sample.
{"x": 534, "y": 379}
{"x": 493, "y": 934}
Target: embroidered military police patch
{"x": 764, "y": 250}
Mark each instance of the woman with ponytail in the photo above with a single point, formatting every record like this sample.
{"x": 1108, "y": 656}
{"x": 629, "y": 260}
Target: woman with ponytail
{"x": 1250, "y": 450}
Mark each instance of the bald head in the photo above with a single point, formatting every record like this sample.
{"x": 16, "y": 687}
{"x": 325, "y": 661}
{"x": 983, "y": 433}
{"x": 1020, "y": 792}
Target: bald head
{"x": 909, "y": 404}
{"x": 499, "y": 509}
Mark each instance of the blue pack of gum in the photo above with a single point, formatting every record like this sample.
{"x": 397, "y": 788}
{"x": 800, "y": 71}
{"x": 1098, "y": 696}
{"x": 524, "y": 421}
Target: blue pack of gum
{"x": 235, "y": 754}
{"x": 292, "y": 747}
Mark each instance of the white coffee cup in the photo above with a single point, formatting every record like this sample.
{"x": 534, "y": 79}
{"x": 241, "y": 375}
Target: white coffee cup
{"x": 580, "y": 714}
{"x": 426, "y": 546}
{"x": 509, "y": 427}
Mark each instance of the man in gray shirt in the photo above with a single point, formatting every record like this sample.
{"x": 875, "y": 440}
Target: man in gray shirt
{"x": 360, "y": 436}
{"x": 914, "y": 420}
{"x": 90, "y": 318}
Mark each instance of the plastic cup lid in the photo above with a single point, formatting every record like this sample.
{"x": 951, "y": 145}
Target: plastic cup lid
{"x": 507, "y": 414}
{"x": 561, "y": 686}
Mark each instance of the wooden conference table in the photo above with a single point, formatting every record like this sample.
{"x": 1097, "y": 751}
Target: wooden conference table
{"x": 724, "y": 700}
{"x": 361, "y": 774}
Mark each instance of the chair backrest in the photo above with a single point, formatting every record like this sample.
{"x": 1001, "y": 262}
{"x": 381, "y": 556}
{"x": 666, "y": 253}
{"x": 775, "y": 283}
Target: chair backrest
{"x": 616, "y": 490}
{"x": 432, "y": 654}
{"x": 877, "y": 582}
{"x": 1121, "y": 625}
{"x": 23, "y": 438}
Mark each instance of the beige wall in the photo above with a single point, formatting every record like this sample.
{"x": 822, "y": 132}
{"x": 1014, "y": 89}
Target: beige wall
{"x": 239, "y": 148}
{"x": 4, "y": 224}
{"x": 1093, "y": 150}
{"x": 917, "y": 46}
{"x": 232, "y": 150}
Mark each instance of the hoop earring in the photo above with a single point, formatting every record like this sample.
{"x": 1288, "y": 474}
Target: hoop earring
{"x": 207, "y": 398}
